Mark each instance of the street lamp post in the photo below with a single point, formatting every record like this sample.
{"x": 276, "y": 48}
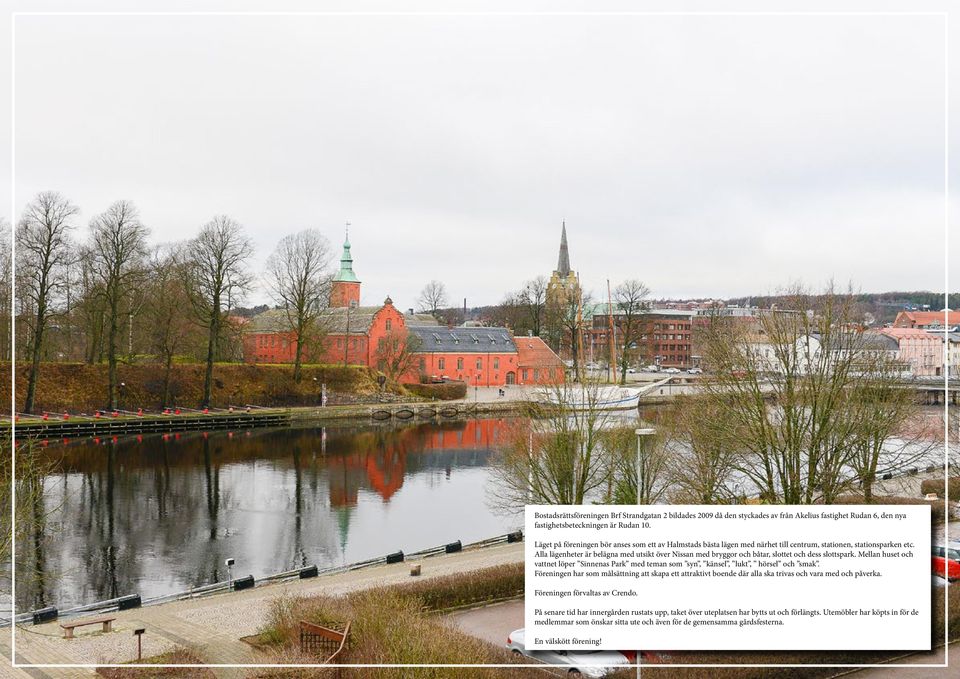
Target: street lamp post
{"x": 641, "y": 461}
{"x": 476, "y": 388}
{"x": 120, "y": 389}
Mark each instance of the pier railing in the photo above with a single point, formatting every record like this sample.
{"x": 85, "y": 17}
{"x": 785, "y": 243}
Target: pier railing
{"x": 134, "y": 600}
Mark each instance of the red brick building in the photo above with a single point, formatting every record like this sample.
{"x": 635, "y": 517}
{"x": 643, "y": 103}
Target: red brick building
{"x": 351, "y": 334}
{"x": 485, "y": 357}
{"x": 665, "y": 337}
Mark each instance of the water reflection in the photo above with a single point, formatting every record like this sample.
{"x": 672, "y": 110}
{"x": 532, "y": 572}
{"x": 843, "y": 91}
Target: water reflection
{"x": 160, "y": 513}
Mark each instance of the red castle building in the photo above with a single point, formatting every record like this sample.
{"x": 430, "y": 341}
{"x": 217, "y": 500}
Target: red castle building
{"x": 355, "y": 335}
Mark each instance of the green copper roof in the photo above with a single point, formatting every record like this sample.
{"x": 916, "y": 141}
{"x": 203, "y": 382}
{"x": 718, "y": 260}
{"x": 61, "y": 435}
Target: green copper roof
{"x": 346, "y": 273}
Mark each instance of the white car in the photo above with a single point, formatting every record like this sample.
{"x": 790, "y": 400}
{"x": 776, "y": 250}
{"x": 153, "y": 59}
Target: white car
{"x": 578, "y": 662}
{"x": 672, "y": 371}
{"x": 652, "y": 368}
{"x": 695, "y": 371}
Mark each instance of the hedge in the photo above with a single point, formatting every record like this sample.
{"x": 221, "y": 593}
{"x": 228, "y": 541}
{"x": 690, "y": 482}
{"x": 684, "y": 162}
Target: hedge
{"x": 937, "y": 486}
{"x": 442, "y": 391}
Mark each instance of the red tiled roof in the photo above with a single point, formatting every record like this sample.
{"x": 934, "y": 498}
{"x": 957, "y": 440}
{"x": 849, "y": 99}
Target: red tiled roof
{"x": 927, "y": 318}
{"x": 533, "y": 352}
{"x": 900, "y": 333}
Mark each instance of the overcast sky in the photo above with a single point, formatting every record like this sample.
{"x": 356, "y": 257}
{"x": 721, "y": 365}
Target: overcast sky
{"x": 706, "y": 156}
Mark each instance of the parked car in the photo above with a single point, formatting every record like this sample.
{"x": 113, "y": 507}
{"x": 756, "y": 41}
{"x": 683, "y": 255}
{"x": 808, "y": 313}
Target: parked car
{"x": 631, "y": 371}
{"x": 652, "y": 368}
{"x": 695, "y": 371}
{"x": 578, "y": 662}
{"x": 672, "y": 371}
{"x": 946, "y": 560}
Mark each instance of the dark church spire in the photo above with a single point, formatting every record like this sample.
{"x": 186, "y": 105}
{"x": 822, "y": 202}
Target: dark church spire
{"x": 563, "y": 265}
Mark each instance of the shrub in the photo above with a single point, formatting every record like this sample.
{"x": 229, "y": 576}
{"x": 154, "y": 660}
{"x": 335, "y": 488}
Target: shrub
{"x": 937, "y": 486}
{"x": 442, "y": 391}
{"x": 179, "y": 656}
{"x": 463, "y": 589}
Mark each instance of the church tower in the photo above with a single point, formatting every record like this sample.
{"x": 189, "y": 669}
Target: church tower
{"x": 345, "y": 291}
{"x": 563, "y": 286}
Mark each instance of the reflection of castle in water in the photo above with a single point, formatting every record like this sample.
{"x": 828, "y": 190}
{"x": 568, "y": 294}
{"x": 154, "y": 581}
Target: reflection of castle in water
{"x": 383, "y": 459}
{"x": 159, "y": 513}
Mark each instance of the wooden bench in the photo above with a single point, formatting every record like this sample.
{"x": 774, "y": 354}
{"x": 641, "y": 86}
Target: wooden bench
{"x": 105, "y": 620}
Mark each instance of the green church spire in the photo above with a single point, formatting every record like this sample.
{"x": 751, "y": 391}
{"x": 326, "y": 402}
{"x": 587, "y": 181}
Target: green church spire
{"x": 346, "y": 273}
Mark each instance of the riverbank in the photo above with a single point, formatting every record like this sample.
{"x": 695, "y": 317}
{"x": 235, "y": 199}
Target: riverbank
{"x": 215, "y": 625}
{"x": 79, "y": 388}
{"x": 52, "y": 427}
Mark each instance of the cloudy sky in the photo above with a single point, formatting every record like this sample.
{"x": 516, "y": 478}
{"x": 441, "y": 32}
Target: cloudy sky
{"x": 704, "y": 155}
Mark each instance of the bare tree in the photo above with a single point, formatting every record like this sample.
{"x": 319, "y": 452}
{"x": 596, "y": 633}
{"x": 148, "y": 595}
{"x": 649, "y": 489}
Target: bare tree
{"x": 631, "y": 302}
{"x": 218, "y": 265}
{"x": 119, "y": 248}
{"x": 703, "y": 451}
{"x": 532, "y": 303}
{"x": 168, "y": 310}
{"x": 299, "y": 277}
{"x": 6, "y": 292}
{"x": 555, "y": 455}
{"x": 396, "y": 354}
{"x": 797, "y": 393}
{"x": 433, "y": 298}
{"x": 43, "y": 252}
{"x": 565, "y": 323}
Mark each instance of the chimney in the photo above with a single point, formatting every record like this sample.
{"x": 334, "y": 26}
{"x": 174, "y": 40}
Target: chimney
{"x": 410, "y": 311}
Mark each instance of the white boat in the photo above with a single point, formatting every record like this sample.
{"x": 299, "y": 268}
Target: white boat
{"x": 600, "y": 397}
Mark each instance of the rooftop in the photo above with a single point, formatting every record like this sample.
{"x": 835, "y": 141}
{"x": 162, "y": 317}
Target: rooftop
{"x": 463, "y": 340}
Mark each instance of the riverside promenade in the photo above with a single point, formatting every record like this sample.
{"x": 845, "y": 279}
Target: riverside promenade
{"x": 213, "y": 626}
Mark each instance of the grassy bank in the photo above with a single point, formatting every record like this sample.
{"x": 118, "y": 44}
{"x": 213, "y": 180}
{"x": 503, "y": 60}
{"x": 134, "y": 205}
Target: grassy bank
{"x": 399, "y": 625}
{"x": 78, "y": 387}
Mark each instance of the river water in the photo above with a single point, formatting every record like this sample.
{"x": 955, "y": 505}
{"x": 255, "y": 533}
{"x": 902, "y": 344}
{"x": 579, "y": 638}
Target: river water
{"x": 157, "y": 514}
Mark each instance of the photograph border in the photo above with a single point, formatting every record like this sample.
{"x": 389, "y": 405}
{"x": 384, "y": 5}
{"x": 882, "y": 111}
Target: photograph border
{"x": 415, "y": 13}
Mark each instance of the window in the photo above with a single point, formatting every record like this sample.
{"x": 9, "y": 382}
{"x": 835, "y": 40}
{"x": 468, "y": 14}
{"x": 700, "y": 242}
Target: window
{"x": 353, "y": 344}
{"x": 381, "y": 343}
{"x": 441, "y": 363}
{"x": 524, "y": 373}
{"x": 389, "y": 323}
{"x": 460, "y": 364}
{"x": 536, "y": 374}
{"x": 339, "y": 343}
{"x": 479, "y": 364}
{"x": 423, "y": 364}
{"x": 496, "y": 363}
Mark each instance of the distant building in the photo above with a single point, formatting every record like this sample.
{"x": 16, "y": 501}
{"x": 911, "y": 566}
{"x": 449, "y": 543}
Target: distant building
{"x": 665, "y": 336}
{"x": 921, "y": 350}
{"x": 926, "y": 320}
{"x": 485, "y": 357}
{"x": 345, "y": 290}
{"x": 347, "y": 333}
{"x": 563, "y": 285}
{"x": 350, "y": 334}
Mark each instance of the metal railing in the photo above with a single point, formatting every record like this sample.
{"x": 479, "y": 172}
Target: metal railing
{"x": 110, "y": 605}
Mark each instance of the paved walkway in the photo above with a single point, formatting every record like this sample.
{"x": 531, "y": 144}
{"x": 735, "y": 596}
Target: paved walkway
{"x": 213, "y": 625}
